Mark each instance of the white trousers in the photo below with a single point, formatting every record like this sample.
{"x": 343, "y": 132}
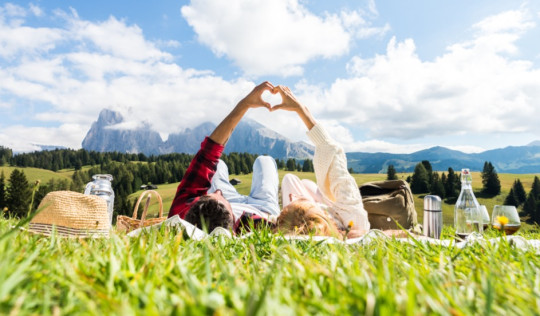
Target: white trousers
{"x": 293, "y": 187}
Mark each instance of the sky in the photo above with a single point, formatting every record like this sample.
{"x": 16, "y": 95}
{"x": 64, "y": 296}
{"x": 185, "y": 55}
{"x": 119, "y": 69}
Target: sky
{"x": 380, "y": 76}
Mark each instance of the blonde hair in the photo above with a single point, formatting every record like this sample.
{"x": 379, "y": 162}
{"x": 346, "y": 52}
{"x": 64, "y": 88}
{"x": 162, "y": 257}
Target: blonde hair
{"x": 304, "y": 217}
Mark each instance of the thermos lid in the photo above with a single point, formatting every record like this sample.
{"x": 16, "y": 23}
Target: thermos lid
{"x": 432, "y": 203}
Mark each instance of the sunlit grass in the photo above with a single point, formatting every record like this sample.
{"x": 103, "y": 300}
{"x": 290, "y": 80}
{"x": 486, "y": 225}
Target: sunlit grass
{"x": 34, "y": 174}
{"x": 164, "y": 274}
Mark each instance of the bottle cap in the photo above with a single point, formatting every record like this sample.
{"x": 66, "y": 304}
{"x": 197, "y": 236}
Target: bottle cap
{"x": 432, "y": 203}
{"x": 466, "y": 175}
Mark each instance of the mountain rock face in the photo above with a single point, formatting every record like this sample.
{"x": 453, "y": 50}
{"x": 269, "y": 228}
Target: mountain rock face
{"x": 249, "y": 136}
{"x": 102, "y": 136}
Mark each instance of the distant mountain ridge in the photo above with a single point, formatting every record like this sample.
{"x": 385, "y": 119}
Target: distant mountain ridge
{"x": 512, "y": 159}
{"x": 249, "y": 136}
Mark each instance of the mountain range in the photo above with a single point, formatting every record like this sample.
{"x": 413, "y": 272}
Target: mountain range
{"x": 512, "y": 159}
{"x": 250, "y": 136}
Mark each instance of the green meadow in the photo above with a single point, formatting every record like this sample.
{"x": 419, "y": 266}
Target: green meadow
{"x": 34, "y": 174}
{"x": 165, "y": 273}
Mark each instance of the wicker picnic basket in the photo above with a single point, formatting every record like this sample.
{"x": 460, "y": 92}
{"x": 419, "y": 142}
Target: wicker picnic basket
{"x": 127, "y": 224}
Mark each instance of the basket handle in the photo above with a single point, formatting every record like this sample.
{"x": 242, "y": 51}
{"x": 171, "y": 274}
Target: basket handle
{"x": 145, "y": 210}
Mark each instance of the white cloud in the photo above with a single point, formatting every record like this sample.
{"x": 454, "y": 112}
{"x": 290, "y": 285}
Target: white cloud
{"x": 509, "y": 21}
{"x": 13, "y": 10}
{"x": 474, "y": 87}
{"x": 36, "y": 10}
{"x": 271, "y": 37}
{"x": 16, "y": 39}
{"x": 355, "y": 22}
{"x": 24, "y": 138}
{"x": 116, "y": 38}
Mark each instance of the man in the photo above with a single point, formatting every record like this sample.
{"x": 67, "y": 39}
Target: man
{"x": 205, "y": 197}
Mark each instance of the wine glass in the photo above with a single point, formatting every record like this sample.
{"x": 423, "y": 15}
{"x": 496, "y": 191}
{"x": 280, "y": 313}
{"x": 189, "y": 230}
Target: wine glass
{"x": 485, "y": 216}
{"x": 505, "y": 217}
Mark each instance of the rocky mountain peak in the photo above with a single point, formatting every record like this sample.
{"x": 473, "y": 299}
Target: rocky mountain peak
{"x": 249, "y": 136}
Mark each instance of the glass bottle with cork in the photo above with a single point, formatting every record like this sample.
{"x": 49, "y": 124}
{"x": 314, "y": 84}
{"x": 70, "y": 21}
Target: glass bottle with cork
{"x": 467, "y": 214}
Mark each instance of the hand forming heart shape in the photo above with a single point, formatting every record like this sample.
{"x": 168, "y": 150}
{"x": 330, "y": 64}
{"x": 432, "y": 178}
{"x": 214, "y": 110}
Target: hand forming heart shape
{"x": 272, "y": 98}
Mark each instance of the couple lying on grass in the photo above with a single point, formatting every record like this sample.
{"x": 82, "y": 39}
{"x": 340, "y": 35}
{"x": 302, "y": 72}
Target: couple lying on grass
{"x": 332, "y": 207}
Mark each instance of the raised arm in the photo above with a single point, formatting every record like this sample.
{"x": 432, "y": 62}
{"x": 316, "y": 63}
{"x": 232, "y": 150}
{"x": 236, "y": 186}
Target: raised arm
{"x": 338, "y": 187}
{"x": 290, "y": 103}
{"x": 223, "y": 131}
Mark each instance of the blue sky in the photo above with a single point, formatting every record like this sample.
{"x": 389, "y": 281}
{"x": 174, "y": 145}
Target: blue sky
{"x": 389, "y": 76}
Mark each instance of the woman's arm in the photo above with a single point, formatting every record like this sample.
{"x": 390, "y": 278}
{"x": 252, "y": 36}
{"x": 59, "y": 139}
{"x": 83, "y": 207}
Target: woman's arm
{"x": 290, "y": 103}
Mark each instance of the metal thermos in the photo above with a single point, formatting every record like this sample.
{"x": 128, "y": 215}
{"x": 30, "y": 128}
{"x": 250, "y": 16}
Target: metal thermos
{"x": 432, "y": 216}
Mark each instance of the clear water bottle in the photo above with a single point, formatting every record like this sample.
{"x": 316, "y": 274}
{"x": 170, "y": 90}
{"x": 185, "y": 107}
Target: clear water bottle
{"x": 467, "y": 214}
{"x": 102, "y": 187}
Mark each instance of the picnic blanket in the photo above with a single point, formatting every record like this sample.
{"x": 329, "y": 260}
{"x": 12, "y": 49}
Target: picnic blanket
{"x": 371, "y": 236}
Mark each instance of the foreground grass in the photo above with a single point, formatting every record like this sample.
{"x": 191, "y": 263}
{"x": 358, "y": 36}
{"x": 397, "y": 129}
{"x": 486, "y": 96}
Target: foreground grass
{"x": 163, "y": 273}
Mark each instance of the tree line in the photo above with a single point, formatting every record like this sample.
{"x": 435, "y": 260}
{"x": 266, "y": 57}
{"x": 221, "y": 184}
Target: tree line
{"x": 448, "y": 186}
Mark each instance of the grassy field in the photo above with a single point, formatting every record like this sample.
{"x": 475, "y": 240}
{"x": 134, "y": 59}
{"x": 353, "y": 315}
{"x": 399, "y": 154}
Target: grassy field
{"x": 33, "y": 174}
{"x": 168, "y": 191}
{"x": 164, "y": 274}
{"x": 263, "y": 274}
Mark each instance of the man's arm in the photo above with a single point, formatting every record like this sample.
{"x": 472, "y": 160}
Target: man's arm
{"x": 198, "y": 176}
{"x": 223, "y": 131}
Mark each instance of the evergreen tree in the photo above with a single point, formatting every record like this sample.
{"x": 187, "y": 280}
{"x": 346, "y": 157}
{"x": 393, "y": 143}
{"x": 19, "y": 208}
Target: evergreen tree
{"x": 535, "y": 217}
{"x": 2, "y": 191}
{"x": 450, "y": 187}
{"x": 78, "y": 164}
{"x": 19, "y": 194}
{"x": 244, "y": 166}
{"x": 490, "y": 180}
{"x": 429, "y": 169}
{"x": 443, "y": 180}
{"x": 391, "y": 173}
{"x": 529, "y": 207}
{"x": 535, "y": 189}
{"x": 307, "y": 166}
{"x": 291, "y": 164}
{"x": 77, "y": 182}
{"x": 511, "y": 199}
{"x": 420, "y": 181}
{"x": 437, "y": 187}
{"x": 519, "y": 192}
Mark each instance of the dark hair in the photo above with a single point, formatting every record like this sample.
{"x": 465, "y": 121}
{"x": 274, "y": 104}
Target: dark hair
{"x": 210, "y": 213}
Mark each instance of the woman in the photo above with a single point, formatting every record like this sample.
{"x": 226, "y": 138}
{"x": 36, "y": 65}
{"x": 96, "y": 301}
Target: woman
{"x": 333, "y": 206}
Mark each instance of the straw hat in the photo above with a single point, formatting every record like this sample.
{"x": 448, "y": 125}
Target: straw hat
{"x": 71, "y": 214}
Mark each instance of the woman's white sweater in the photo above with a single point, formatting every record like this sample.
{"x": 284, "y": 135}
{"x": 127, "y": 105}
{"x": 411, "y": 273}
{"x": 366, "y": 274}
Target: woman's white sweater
{"x": 339, "y": 189}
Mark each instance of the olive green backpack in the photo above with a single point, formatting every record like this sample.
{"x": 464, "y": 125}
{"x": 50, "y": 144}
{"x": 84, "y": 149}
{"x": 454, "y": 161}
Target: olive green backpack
{"x": 388, "y": 202}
